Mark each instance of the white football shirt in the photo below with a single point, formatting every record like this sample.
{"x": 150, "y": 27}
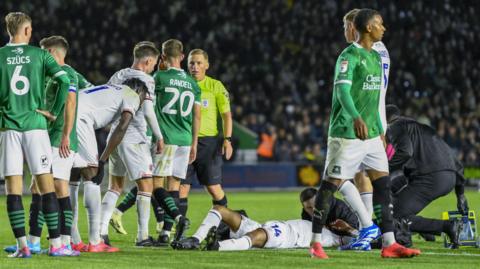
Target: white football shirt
{"x": 104, "y": 104}
{"x": 382, "y": 50}
{"x": 137, "y": 130}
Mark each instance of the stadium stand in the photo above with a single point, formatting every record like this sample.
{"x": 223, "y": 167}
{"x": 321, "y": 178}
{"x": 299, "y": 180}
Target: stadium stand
{"x": 277, "y": 58}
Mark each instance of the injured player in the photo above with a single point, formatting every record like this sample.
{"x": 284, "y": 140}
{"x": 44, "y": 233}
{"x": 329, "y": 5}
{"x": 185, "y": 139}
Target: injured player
{"x": 246, "y": 233}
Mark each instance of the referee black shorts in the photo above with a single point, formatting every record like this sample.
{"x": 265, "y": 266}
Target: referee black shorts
{"x": 208, "y": 164}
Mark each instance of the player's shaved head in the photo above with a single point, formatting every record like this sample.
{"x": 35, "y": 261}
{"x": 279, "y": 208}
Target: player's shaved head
{"x": 15, "y": 20}
{"x": 350, "y": 16}
{"x": 198, "y": 52}
{"x": 362, "y": 19}
{"x": 145, "y": 49}
{"x": 172, "y": 48}
{"x": 55, "y": 42}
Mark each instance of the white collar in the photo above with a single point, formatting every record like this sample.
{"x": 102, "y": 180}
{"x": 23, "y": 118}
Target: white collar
{"x": 16, "y": 44}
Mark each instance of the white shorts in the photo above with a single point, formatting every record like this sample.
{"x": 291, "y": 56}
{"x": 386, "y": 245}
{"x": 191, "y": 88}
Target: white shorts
{"x": 61, "y": 167}
{"x": 345, "y": 157}
{"x": 87, "y": 144}
{"x": 279, "y": 235}
{"x": 173, "y": 161}
{"x": 132, "y": 160}
{"x": 246, "y": 225}
{"x": 33, "y": 145}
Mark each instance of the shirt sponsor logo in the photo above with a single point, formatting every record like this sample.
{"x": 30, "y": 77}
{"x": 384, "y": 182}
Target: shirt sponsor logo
{"x": 205, "y": 103}
{"x": 343, "y": 66}
{"x": 372, "y": 83}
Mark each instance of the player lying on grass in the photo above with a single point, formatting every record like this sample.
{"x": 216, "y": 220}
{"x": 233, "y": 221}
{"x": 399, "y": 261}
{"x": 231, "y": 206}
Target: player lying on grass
{"x": 245, "y": 233}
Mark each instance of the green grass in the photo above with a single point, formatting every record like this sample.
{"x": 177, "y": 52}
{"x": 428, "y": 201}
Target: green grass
{"x": 261, "y": 207}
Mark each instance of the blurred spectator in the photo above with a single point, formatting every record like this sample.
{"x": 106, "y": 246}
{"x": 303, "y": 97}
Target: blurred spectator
{"x": 277, "y": 57}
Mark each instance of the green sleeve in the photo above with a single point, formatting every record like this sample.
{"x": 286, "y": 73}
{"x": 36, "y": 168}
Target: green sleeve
{"x": 55, "y": 71}
{"x": 222, "y": 98}
{"x": 345, "y": 99}
{"x": 343, "y": 82}
{"x": 83, "y": 82}
{"x": 379, "y": 122}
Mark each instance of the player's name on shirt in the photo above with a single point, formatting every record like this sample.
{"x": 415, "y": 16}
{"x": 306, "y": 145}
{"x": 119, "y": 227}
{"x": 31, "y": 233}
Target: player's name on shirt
{"x": 180, "y": 83}
{"x": 18, "y": 59}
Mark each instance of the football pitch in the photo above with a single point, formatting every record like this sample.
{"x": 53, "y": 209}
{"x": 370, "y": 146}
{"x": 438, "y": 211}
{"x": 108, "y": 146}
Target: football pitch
{"x": 260, "y": 206}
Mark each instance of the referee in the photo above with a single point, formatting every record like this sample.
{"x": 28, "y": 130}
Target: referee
{"x": 211, "y": 145}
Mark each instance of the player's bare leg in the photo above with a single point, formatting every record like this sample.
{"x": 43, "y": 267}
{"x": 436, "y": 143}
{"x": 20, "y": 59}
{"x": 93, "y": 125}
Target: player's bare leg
{"x": 256, "y": 238}
{"x": 364, "y": 186}
{"x": 217, "y": 193}
{"x": 382, "y": 205}
{"x": 115, "y": 188}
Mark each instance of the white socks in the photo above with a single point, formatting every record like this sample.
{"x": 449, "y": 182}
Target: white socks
{"x": 74, "y": 186}
{"x": 33, "y": 239}
{"x": 65, "y": 239}
{"x": 316, "y": 238}
{"x": 388, "y": 239}
{"x": 56, "y": 242}
{"x": 213, "y": 218}
{"x": 352, "y": 197}
{"x": 242, "y": 243}
{"x": 108, "y": 205}
{"x": 22, "y": 242}
{"x": 143, "y": 214}
{"x": 91, "y": 200}
{"x": 367, "y": 199}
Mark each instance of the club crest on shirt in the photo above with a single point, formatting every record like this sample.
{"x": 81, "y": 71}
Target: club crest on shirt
{"x": 44, "y": 161}
{"x": 343, "y": 66}
{"x": 205, "y": 103}
{"x": 18, "y": 51}
{"x": 336, "y": 170}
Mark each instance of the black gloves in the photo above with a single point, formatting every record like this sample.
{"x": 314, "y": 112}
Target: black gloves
{"x": 462, "y": 204}
{"x": 99, "y": 177}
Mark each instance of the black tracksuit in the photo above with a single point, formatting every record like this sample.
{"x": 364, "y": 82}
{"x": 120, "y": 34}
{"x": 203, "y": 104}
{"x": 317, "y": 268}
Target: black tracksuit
{"x": 430, "y": 171}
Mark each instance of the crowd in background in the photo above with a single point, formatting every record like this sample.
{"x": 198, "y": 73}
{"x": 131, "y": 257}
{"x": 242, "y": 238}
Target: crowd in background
{"x": 277, "y": 58}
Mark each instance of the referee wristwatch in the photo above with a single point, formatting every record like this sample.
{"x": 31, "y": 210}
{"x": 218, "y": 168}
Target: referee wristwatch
{"x": 228, "y": 138}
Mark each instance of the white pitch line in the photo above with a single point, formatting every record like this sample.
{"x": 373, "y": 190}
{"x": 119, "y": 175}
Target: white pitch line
{"x": 451, "y": 254}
